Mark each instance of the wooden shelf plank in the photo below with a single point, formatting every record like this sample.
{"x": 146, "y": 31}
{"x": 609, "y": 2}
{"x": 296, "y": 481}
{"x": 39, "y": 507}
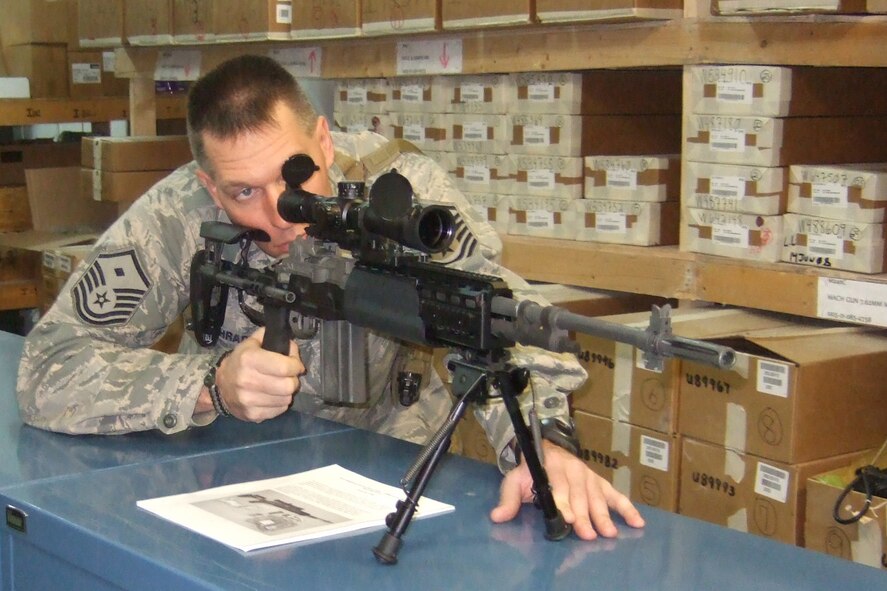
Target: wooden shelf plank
{"x": 32, "y": 111}
{"x": 670, "y": 273}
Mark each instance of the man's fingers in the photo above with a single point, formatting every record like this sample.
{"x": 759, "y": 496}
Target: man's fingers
{"x": 510, "y": 498}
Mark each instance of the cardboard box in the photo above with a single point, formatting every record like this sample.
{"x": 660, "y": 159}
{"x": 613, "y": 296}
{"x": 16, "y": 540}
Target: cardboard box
{"x": 484, "y": 133}
{"x": 579, "y": 135}
{"x": 834, "y": 244}
{"x": 33, "y": 21}
{"x": 192, "y": 21}
{"x": 388, "y": 17}
{"x": 543, "y": 217}
{"x": 773, "y": 91}
{"x": 45, "y": 67}
{"x": 356, "y": 122}
{"x": 559, "y": 11}
{"x": 596, "y": 92}
{"x": 768, "y": 141}
{"x": 632, "y": 178}
{"x": 734, "y": 235}
{"x": 641, "y": 223}
{"x": 91, "y": 74}
{"x": 115, "y": 154}
{"x": 640, "y": 463}
{"x": 593, "y": 302}
{"x": 21, "y": 253}
{"x": 747, "y": 493}
{"x": 548, "y": 176}
{"x": 428, "y": 131}
{"x": 855, "y": 192}
{"x": 731, "y": 187}
{"x": 482, "y": 173}
{"x": 864, "y": 541}
{"x": 250, "y": 20}
{"x": 752, "y": 7}
{"x": 125, "y": 186}
{"x": 483, "y": 93}
{"x": 148, "y": 22}
{"x": 491, "y": 207}
{"x": 621, "y": 387}
{"x": 469, "y": 14}
{"x": 416, "y": 94}
{"x": 58, "y": 206}
{"x": 100, "y": 23}
{"x": 325, "y": 20}
{"x": 15, "y": 158}
{"x": 795, "y": 394}
{"x": 15, "y": 213}
{"x": 362, "y": 95}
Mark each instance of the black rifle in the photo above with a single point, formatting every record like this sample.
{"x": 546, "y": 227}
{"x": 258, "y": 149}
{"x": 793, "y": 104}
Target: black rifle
{"x": 389, "y": 285}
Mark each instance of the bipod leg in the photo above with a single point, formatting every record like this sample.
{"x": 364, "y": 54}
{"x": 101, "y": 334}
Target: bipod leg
{"x": 419, "y": 474}
{"x": 511, "y": 383}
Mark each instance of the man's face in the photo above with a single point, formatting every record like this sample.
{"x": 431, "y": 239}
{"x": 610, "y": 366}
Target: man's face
{"x": 248, "y": 182}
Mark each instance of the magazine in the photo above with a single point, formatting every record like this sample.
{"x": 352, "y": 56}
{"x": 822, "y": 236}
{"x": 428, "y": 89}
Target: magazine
{"x": 320, "y": 503}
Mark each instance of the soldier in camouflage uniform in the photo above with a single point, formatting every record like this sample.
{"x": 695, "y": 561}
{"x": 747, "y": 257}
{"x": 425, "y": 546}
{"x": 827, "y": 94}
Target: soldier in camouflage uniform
{"x": 87, "y": 366}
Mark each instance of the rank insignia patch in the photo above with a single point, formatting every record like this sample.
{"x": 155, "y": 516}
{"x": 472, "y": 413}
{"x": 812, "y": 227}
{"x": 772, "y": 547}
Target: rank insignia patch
{"x": 111, "y": 289}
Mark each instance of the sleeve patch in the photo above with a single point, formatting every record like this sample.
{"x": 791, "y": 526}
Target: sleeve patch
{"x": 111, "y": 289}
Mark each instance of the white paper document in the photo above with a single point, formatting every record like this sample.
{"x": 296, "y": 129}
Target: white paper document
{"x": 321, "y": 503}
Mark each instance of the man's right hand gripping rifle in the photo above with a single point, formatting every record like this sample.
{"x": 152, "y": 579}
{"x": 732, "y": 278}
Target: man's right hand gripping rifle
{"x": 389, "y": 285}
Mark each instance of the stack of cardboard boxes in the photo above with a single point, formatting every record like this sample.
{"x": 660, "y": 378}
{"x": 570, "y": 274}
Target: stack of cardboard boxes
{"x": 746, "y": 126}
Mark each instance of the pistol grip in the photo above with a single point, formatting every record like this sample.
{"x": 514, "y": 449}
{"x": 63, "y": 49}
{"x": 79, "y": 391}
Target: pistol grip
{"x": 278, "y": 333}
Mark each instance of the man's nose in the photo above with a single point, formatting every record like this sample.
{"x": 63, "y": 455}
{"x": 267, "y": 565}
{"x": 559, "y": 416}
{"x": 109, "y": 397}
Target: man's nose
{"x": 274, "y": 192}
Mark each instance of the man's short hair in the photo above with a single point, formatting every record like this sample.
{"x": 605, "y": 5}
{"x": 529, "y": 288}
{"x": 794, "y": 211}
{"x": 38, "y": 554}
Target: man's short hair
{"x": 239, "y": 96}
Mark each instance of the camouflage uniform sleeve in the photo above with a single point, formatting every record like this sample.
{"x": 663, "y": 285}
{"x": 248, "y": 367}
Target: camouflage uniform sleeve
{"x": 87, "y": 366}
{"x": 477, "y": 248}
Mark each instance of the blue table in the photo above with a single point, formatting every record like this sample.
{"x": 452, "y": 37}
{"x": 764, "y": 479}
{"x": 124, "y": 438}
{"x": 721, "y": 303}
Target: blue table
{"x": 84, "y": 530}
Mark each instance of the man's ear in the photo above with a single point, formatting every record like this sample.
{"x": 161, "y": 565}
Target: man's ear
{"x": 207, "y": 182}
{"x": 325, "y": 140}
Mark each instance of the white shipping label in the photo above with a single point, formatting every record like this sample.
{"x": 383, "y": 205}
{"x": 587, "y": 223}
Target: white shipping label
{"x": 475, "y": 131}
{"x": 727, "y": 140}
{"x": 773, "y": 378}
{"x": 654, "y": 453}
{"x": 540, "y": 92}
{"x": 86, "y": 73}
{"x": 730, "y": 235}
{"x": 614, "y": 223}
{"x": 734, "y": 92}
{"x": 64, "y": 264}
{"x": 540, "y": 218}
{"x": 109, "y": 61}
{"x": 477, "y": 174}
{"x": 536, "y": 135}
{"x": 284, "y": 13}
{"x": 356, "y": 95}
{"x": 829, "y": 194}
{"x": 862, "y": 302}
{"x": 727, "y": 187}
{"x": 298, "y": 61}
{"x": 411, "y": 93}
{"x": 825, "y": 245}
{"x": 471, "y": 93}
{"x": 622, "y": 179}
{"x": 772, "y": 482}
{"x": 540, "y": 178}
{"x": 414, "y": 133}
{"x": 178, "y": 65}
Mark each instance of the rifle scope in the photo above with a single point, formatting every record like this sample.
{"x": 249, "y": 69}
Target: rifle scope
{"x": 389, "y": 211}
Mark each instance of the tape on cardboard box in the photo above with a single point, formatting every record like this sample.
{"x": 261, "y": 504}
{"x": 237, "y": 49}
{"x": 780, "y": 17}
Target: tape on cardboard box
{"x": 735, "y": 188}
{"x": 417, "y": 94}
{"x": 856, "y": 192}
{"x": 469, "y": 14}
{"x": 148, "y": 22}
{"x": 834, "y": 244}
{"x": 763, "y": 7}
{"x": 492, "y": 208}
{"x": 389, "y": 17}
{"x": 354, "y": 122}
{"x": 639, "y": 223}
{"x": 632, "y": 178}
{"x": 428, "y": 131}
{"x": 733, "y": 235}
{"x": 548, "y": 176}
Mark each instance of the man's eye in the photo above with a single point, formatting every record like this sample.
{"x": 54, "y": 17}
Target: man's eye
{"x": 244, "y": 193}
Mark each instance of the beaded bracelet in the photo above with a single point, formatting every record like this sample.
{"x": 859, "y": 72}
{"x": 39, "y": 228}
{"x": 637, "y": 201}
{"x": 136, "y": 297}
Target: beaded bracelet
{"x": 210, "y": 382}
